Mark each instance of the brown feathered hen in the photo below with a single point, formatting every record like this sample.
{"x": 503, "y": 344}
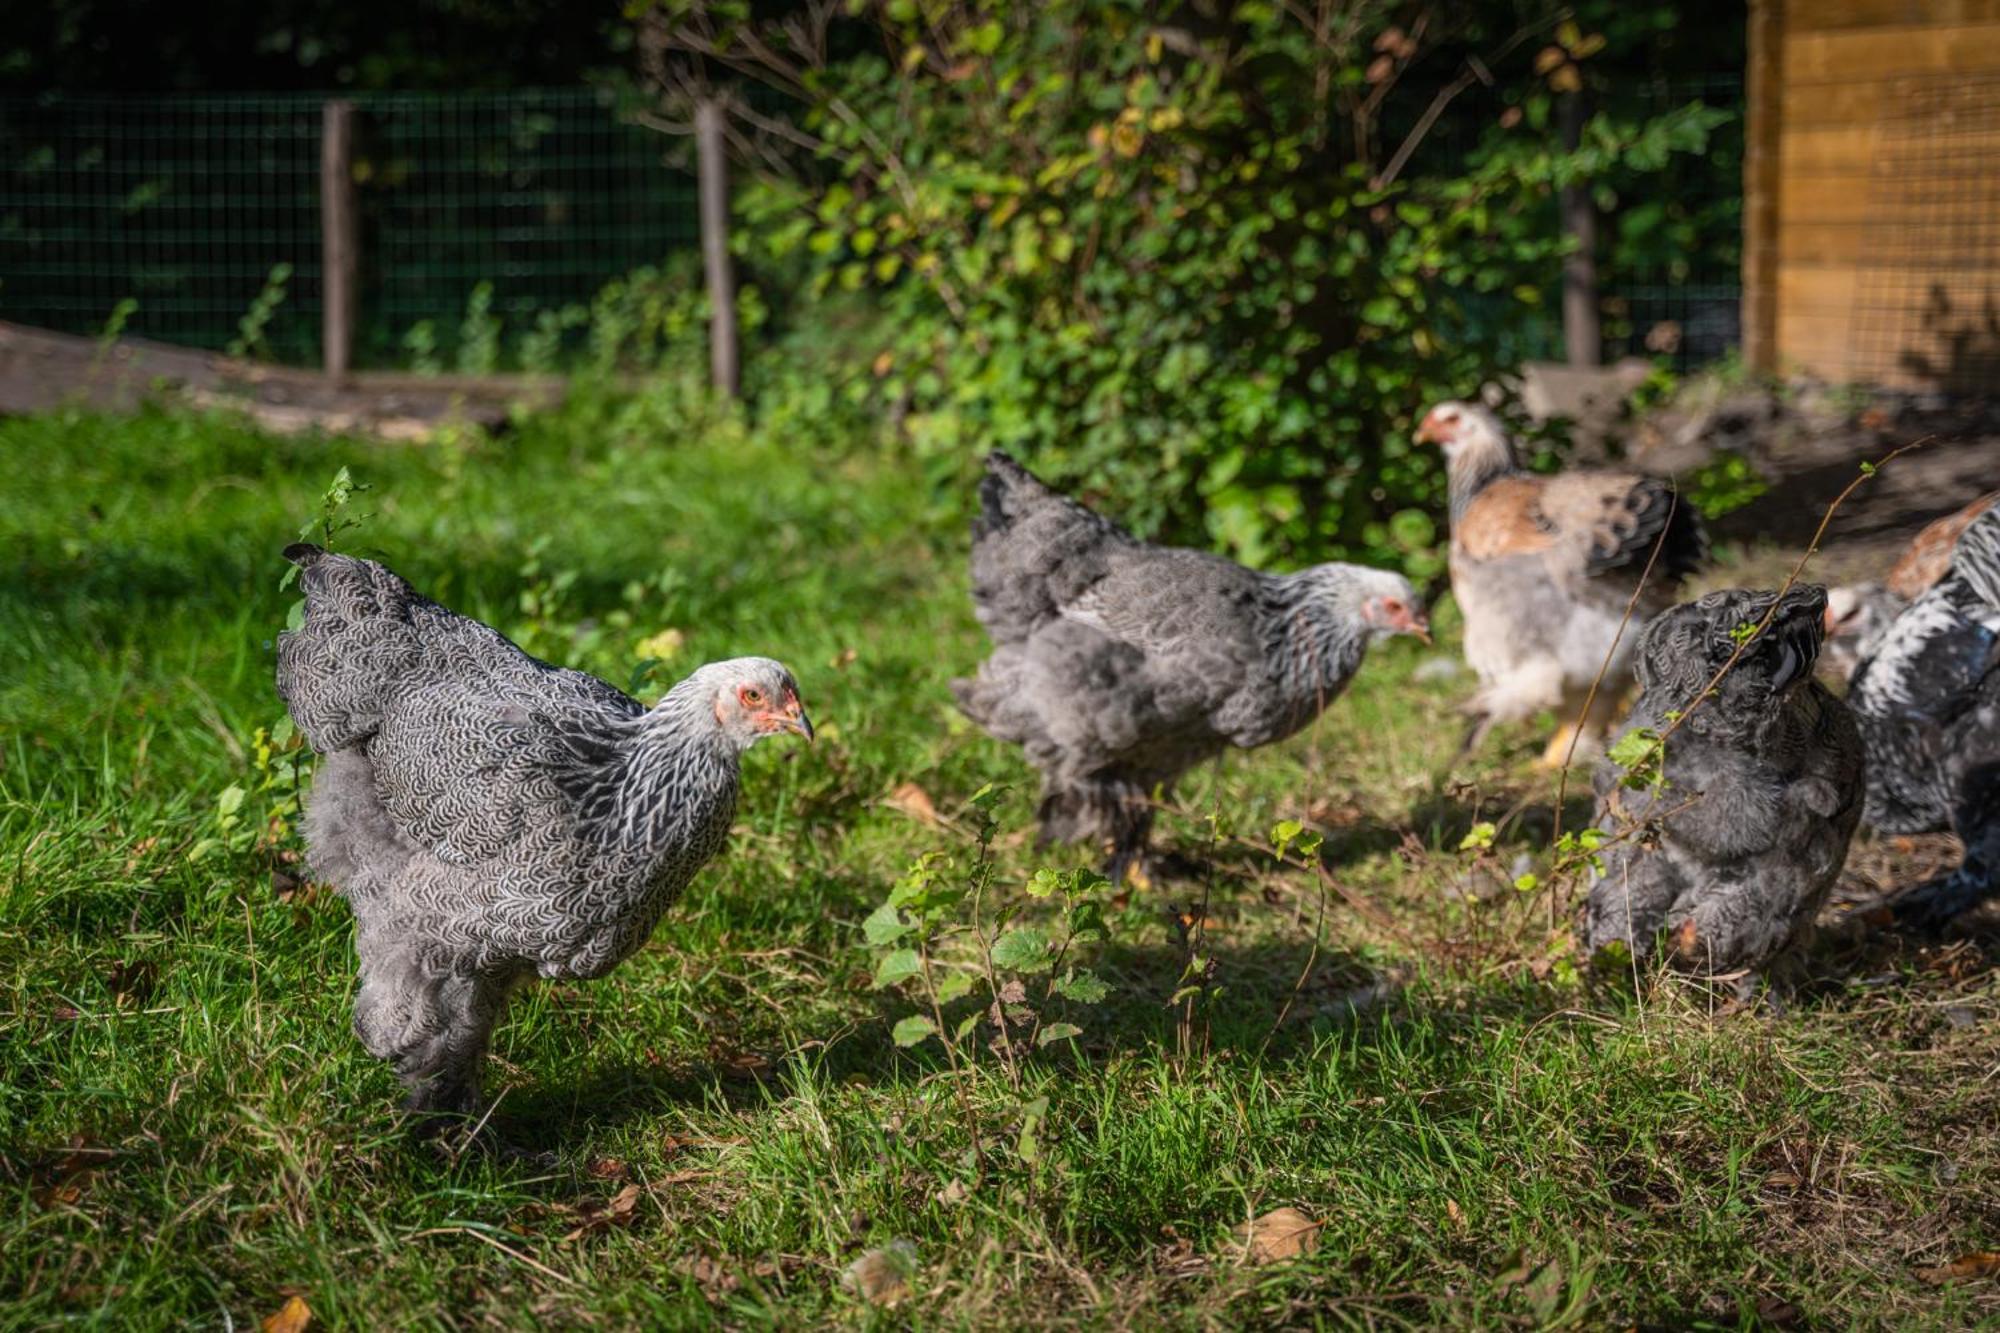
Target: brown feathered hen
{"x": 1858, "y": 615}
{"x": 1545, "y": 568}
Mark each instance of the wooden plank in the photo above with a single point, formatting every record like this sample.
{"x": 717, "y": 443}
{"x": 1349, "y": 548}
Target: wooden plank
{"x": 1834, "y": 15}
{"x": 1825, "y": 105}
{"x": 714, "y": 178}
{"x": 339, "y": 237}
{"x": 1763, "y": 208}
{"x": 1877, "y": 53}
{"x": 1823, "y": 244}
{"x": 1830, "y": 200}
{"x": 1846, "y": 152}
{"x": 1812, "y": 287}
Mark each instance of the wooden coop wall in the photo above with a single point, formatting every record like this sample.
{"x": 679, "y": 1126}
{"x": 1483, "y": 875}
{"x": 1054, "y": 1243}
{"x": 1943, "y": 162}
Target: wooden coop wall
{"x": 1872, "y": 192}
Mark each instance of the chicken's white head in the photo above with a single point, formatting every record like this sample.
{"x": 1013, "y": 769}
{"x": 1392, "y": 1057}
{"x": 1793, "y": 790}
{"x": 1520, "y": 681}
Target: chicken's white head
{"x": 1462, "y": 429}
{"x": 1388, "y": 605}
{"x": 754, "y": 697}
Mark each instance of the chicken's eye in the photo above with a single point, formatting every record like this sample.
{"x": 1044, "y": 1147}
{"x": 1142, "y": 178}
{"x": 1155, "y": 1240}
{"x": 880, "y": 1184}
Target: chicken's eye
{"x": 1392, "y": 606}
{"x": 752, "y": 696}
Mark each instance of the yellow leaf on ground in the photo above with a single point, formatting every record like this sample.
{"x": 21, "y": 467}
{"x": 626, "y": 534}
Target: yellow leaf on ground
{"x": 294, "y": 1316}
{"x": 1965, "y": 1268}
{"x": 882, "y": 1275}
{"x": 1279, "y": 1235}
{"x": 915, "y": 802}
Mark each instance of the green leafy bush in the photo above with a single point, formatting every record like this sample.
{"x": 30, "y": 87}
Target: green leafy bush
{"x": 1185, "y": 258}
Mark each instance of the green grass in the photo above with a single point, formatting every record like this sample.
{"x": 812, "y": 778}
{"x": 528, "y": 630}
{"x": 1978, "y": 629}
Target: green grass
{"x": 189, "y": 1134}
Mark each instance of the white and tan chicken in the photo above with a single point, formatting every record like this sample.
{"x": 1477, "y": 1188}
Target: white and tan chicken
{"x": 1545, "y": 571}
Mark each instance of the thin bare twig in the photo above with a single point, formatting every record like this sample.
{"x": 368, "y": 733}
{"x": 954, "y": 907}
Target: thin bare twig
{"x": 1476, "y": 71}
{"x": 507, "y": 1250}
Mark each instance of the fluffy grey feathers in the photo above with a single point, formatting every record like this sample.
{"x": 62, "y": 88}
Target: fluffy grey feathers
{"x": 1119, "y": 665}
{"x": 1730, "y": 858}
{"x": 491, "y": 818}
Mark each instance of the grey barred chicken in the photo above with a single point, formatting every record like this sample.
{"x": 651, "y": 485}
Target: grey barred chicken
{"x": 490, "y": 818}
{"x": 1724, "y": 865}
{"x": 1928, "y": 701}
{"x": 1544, "y": 569}
{"x": 1857, "y": 616}
{"x": 1119, "y": 665}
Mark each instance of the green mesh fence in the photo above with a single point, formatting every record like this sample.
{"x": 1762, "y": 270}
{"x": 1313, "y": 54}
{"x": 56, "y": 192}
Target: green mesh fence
{"x": 183, "y": 205}
{"x": 186, "y": 204}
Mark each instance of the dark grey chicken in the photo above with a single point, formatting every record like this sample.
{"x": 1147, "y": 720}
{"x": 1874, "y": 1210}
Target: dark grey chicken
{"x": 1120, "y": 665}
{"x": 1728, "y": 860}
{"x": 491, "y": 818}
{"x": 1928, "y": 702}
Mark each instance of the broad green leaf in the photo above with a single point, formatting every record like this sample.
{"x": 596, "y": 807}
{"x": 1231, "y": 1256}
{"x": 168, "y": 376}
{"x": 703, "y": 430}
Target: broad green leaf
{"x": 1023, "y": 949}
{"x": 954, "y": 986}
{"x": 896, "y": 966}
{"x": 885, "y": 925}
{"x": 1057, "y": 1032}
{"x": 1082, "y": 986}
{"x": 912, "y": 1030}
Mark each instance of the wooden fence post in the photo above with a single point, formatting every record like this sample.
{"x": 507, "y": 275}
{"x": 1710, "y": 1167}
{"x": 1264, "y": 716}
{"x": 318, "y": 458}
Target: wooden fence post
{"x": 714, "y": 174}
{"x": 339, "y": 236}
{"x": 1763, "y": 96}
{"x": 1582, "y": 332}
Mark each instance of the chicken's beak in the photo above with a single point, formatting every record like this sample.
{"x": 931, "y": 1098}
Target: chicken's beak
{"x": 1420, "y": 629}
{"x": 1429, "y": 431}
{"x": 796, "y": 720}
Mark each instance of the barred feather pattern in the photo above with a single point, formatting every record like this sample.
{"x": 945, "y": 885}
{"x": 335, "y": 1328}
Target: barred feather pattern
{"x": 1118, "y": 665}
{"x": 488, "y": 817}
{"x": 1928, "y": 700}
{"x": 1724, "y": 866}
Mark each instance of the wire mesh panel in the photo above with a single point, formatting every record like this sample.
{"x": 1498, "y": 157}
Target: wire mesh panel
{"x": 187, "y": 204}
{"x": 184, "y": 205}
{"x": 1669, "y": 241}
{"x": 545, "y": 195}
{"x": 1927, "y": 275}
{"x": 1673, "y": 253}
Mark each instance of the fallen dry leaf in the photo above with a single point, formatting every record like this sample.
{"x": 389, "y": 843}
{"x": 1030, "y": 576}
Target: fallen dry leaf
{"x": 882, "y": 1275}
{"x": 1965, "y": 1268}
{"x": 294, "y": 1316}
{"x": 915, "y": 802}
{"x": 1179, "y": 1258}
{"x": 1279, "y": 1235}
{"x": 714, "y": 1280}
{"x": 610, "y": 1168}
{"x": 60, "y": 1183}
{"x": 601, "y": 1215}
{"x": 57, "y": 1196}
{"x": 139, "y": 851}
